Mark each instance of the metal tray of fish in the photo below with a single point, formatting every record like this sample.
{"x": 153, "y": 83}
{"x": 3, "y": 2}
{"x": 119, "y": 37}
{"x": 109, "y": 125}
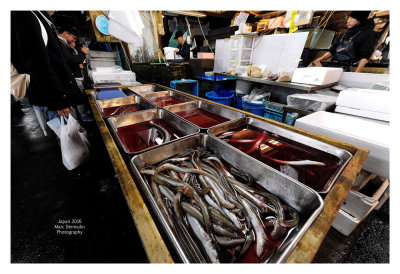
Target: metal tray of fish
{"x": 172, "y": 120}
{"x": 228, "y": 114}
{"x": 342, "y": 154}
{"x": 148, "y": 88}
{"x": 303, "y": 199}
{"x": 167, "y": 93}
{"x": 121, "y": 102}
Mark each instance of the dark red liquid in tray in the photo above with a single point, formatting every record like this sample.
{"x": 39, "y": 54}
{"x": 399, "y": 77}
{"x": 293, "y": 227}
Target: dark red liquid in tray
{"x": 112, "y": 111}
{"x": 141, "y": 136}
{"x": 202, "y": 118}
{"x": 313, "y": 176}
{"x": 272, "y": 244}
{"x": 167, "y": 101}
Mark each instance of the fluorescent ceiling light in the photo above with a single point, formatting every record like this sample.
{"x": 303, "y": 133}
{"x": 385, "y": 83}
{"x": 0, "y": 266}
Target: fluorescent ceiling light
{"x": 187, "y": 13}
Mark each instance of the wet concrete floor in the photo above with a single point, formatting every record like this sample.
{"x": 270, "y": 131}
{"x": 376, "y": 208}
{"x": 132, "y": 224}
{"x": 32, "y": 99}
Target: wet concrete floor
{"x": 43, "y": 192}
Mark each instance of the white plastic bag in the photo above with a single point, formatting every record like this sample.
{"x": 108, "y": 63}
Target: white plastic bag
{"x": 55, "y": 125}
{"x": 75, "y": 146}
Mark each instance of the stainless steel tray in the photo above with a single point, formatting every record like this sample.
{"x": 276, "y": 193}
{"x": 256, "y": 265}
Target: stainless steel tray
{"x": 165, "y": 93}
{"x": 147, "y": 115}
{"x": 143, "y": 89}
{"x": 123, "y": 101}
{"x": 305, "y": 200}
{"x": 221, "y": 111}
{"x": 342, "y": 154}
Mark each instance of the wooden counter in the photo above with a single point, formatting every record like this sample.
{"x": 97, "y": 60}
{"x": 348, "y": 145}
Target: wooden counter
{"x": 306, "y": 248}
{"x": 153, "y": 243}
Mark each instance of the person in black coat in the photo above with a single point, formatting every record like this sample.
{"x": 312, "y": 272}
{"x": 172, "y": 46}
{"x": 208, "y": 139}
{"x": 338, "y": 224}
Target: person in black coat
{"x": 183, "y": 47}
{"x": 357, "y": 44}
{"x": 75, "y": 59}
{"x": 52, "y": 84}
{"x": 67, "y": 35}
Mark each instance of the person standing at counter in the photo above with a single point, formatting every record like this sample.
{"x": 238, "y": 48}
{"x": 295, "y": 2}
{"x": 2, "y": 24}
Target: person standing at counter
{"x": 74, "y": 59}
{"x": 354, "y": 45}
{"x": 183, "y": 47}
{"x": 35, "y": 50}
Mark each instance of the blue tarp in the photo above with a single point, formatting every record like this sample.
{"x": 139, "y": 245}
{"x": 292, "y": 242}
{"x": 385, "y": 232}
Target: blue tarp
{"x": 109, "y": 93}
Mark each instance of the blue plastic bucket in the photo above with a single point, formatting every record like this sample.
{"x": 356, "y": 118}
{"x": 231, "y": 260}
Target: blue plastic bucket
{"x": 254, "y": 108}
{"x": 213, "y": 96}
{"x": 238, "y": 103}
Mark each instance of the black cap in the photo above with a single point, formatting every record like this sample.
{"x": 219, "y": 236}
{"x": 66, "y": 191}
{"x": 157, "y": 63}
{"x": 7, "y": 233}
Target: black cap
{"x": 178, "y": 34}
{"x": 360, "y": 15}
{"x": 71, "y": 29}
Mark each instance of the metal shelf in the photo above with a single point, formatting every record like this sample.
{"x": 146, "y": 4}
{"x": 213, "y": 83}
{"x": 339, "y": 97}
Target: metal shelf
{"x": 305, "y": 87}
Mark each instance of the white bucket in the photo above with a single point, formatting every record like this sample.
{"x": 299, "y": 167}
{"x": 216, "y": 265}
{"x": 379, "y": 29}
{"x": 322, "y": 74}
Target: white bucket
{"x": 169, "y": 53}
{"x": 243, "y": 87}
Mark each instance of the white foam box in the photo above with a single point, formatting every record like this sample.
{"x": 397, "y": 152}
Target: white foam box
{"x": 122, "y": 75}
{"x": 357, "y": 207}
{"x": 366, "y": 133}
{"x": 317, "y": 75}
{"x": 374, "y": 104}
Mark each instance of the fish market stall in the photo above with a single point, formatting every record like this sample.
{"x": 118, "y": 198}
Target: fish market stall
{"x": 182, "y": 210}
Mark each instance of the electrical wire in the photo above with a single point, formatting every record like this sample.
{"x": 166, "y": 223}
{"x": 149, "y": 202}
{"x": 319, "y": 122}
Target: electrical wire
{"x": 201, "y": 28}
{"x": 325, "y": 24}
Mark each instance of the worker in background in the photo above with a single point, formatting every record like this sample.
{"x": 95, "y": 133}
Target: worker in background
{"x": 35, "y": 50}
{"x": 183, "y": 47}
{"x": 354, "y": 45}
{"x": 74, "y": 59}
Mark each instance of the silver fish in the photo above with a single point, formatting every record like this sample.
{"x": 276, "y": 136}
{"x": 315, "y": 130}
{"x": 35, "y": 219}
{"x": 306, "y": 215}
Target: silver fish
{"x": 204, "y": 238}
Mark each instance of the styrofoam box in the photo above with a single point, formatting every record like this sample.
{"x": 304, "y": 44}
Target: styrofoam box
{"x": 317, "y": 75}
{"x": 357, "y": 207}
{"x": 113, "y": 76}
{"x": 369, "y": 103}
{"x": 364, "y": 113}
{"x": 361, "y": 132}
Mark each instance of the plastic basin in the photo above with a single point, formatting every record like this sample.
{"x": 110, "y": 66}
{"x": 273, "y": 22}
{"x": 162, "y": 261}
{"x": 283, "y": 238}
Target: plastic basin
{"x": 238, "y": 103}
{"x": 255, "y": 108}
{"x": 213, "y": 96}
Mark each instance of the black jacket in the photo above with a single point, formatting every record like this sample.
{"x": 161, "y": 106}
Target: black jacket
{"x": 73, "y": 60}
{"x": 52, "y": 84}
{"x": 364, "y": 42}
{"x": 184, "y": 51}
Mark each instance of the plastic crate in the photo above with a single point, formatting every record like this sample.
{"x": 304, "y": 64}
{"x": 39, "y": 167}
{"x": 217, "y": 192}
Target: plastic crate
{"x": 206, "y": 83}
{"x": 181, "y": 85}
{"x": 274, "y": 111}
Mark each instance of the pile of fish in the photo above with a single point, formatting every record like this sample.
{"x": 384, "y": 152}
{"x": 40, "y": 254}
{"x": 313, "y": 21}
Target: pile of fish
{"x": 223, "y": 207}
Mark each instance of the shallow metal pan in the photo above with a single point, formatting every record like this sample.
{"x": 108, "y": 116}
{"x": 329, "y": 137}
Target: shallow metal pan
{"x": 221, "y": 111}
{"x": 305, "y": 200}
{"x": 123, "y": 101}
{"x": 342, "y": 154}
{"x": 165, "y": 93}
{"x": 149, "y": 88}
{"x": 147, "y": 115}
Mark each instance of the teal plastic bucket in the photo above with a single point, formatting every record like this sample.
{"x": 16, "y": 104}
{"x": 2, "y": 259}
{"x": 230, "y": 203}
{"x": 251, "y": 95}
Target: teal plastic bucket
{"x": 213, "y": 96}
{"x": 254, "y": 108}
